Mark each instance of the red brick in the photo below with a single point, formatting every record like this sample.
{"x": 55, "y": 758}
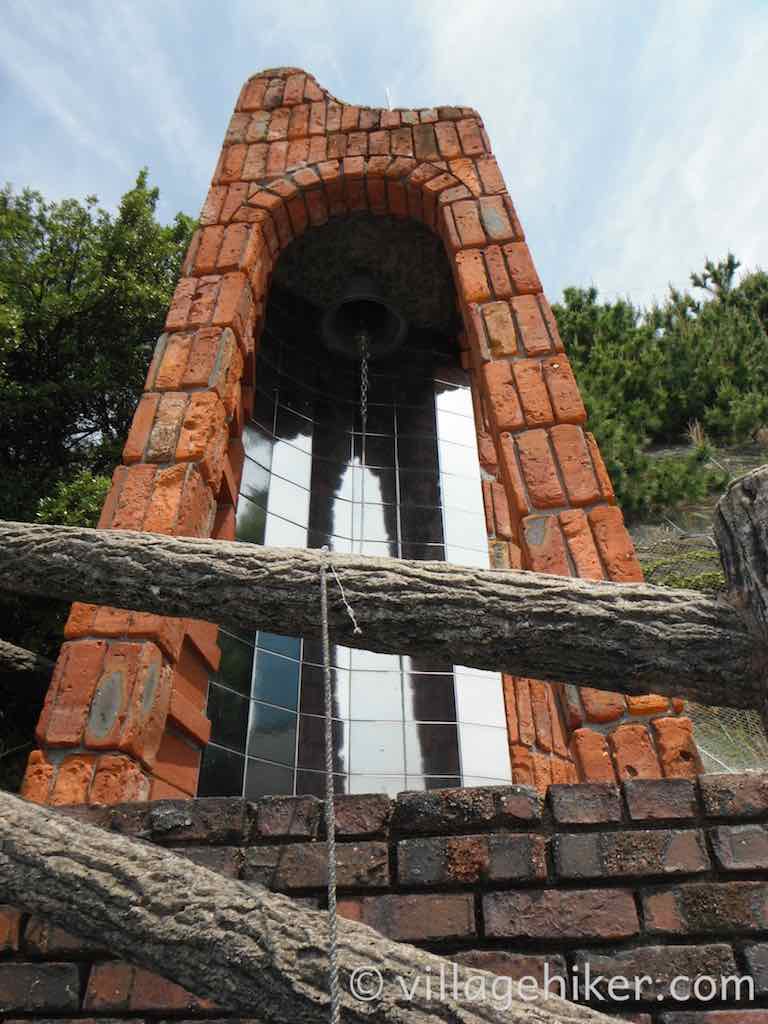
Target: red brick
{"x": 588, "y": 803}
{"x": 590, "y": 750}
{"x": 140, "y": 428}
{"x": 471, "y": 859}
{"x": 203, "y": 636}
{"x": 575, "y": 464}
{"x": 602, "y": 706}
{"x": 544, "y": 546}
{"x": 497, "y": 272}
{"x": 204, "y": 436}
{"x": 501, "y": 513}
{"x": 421, "y": 918}
{"x": 581, "y": 544}
{"x": 212, "y": 206}
{"x": 501, "y": 328}
{"x": 73, "y": 780}
{"x": 231, "y": 163}
{"x": 533, "y": 331}
{"x": 532, "y": 390}
{"x": 447, "y": 140}
{"x": 660, "y": 799}
{"x": 542, "y": 714}
{"x": 65, "y": 710}
{"x": 634, "y": 753}
{"x": 677, "y": 748}
{"x": 467, "y": 219}
{"x": 471, "y": 139}
{"x": 631, "y": 854}
{"x": 490, "y": 176}
{"x": 38, "y": 778}
{"x": 539, "y": 469}
{"x": 521, "y": 269}
{"x": 118, "y": 780}
{"x": 513, "y": 481}
{"x": 252, "y": 96}
{"x": 615, "y": 545}
{"x": 503, "y": 401}
{"x": 161, "y": 443}
{"x": 10, "y": 931}
{"x": 305, "y": 865}
{"x": 737, "y": 795}
{"x": 473, "y": 284}
{"x": 648, "y": 704}
{"x": 208, "y": 250}
{"x": 563, "y": 390}
{"x": 178, "y": 763}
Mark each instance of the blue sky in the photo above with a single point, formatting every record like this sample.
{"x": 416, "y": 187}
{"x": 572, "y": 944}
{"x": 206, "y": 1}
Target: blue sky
{"x": 632, "y": 136}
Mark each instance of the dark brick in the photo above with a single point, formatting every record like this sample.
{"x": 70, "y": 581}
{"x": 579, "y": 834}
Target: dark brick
{"x": 660, "y": 799}
{"x": 420, "y": 918}
{"x": 42, "y": 938}
{"x": 28, "y": 988}
{"x": 707, "y": 908}
{"x": 740, "y": 847}
{"x": 204, "y": 820}
{"x": 304, "y": 865}
{"x": 286, "y": 816}
{"x": 471, "y": 859}
{"x": 10, "y": 928}
{"x": 757, "y": 962}
{"x": 363, "y": 815}
{"x": 224, "y": 860}
{"x": 654, "y": 968}
{"x": 741, "y": 1016}
{"x": 514, "y": 965}
{"x": 447, "y": 810}
{"x": 735, "y": 796}
{"x": 585, "y": 803}
{"x": 117, "y": 986}
{"x": 561, "y": 914}
{"x": 630, "y": 854}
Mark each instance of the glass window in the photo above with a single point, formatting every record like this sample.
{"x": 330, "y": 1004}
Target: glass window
{"x": 389, "y": 784}
{"x": 251, "y": 521}
{"x": 257, "y": 442}
{"x": 236, "y": 664}
{"x": 276, "y": 679}
{"x": 431, "y": 749}
{"x": 254, "y": 483}
{"x": 459, "y": 460}
{"x": 221, "y": 772}
{"x": 429, "y": 697}
{"x": 292, "y": 463}
{"x": 480, "y": 698}
{"x": 465, "y": 529}
{"x": 484, "y": 752}
{"x": 456, "y": 429}
{"x": 288, "y": 500}
{"x": 280, "y": 533}
{"x": 265, "y": 779}
{"x": 313, "y": 691}
{"x": 228, "y": 713}
{"x": 289, "y": 646}
{"x": 311, "y": 750}
{"x": 376, "y": 695}
{"x": 376, "y": 747}
{"x": 272, "y": 734}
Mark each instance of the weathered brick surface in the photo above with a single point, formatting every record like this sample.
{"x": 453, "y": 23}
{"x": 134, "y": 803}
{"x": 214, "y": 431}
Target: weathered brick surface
{"x": 659, "y": 800}
{"x": 624, "y": 854}
{"x": 655, "y": 968}
{"x": 421, "y": 917}
{"x": 471, "y": 859}
{"x": 740, "y": 847}
{"x": 569, "y": 914}
{"x": 586, "y": 803}
{"x": 447, "y": 810}
{"x": 707, "y": 908}
{"x": 39, "y": 988}
{"x": 304, "y": 865}
{"x": 735, "y": 796}
{"x": 514, "y": 965}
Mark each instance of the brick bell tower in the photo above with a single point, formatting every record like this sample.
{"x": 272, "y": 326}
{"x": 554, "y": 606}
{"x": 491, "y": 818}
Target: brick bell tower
{"x": 474, "y": 450}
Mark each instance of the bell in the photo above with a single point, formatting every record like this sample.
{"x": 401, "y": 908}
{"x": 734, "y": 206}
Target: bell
{"x": 362, "y": 320}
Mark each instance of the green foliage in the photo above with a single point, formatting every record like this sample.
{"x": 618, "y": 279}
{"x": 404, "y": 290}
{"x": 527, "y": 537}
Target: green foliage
{"x": 83, "y": 295}
{"x": 645, "y": 375}
{"x": 76, "y": 502}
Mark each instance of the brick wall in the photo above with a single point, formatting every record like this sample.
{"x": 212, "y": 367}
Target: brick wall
{"x": 661, "y": 878}
{"x": 125, "y": 715}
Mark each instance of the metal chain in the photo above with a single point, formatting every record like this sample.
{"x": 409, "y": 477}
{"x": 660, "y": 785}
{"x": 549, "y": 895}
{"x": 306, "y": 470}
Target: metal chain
{"x": 330, "y": 812}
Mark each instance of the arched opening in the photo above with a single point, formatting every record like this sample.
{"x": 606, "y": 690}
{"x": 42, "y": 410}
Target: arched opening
{"x": 410, "y": 487}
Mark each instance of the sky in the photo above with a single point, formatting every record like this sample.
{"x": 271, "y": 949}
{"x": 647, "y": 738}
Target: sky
{"x": 632, "y": 136}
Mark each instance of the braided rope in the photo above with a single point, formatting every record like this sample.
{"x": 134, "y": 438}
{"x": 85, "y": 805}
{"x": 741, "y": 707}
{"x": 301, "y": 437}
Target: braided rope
{"x": 330, "y": 813}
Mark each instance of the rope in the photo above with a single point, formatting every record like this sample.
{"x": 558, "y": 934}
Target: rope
{"x": 330, "y": 814}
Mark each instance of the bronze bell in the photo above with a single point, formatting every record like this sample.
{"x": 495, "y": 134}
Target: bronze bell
{"x": 362, "y": 319}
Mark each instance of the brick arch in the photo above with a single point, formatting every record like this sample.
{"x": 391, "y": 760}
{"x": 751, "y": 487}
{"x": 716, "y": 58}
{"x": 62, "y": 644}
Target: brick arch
{"x": 124, "y": 716}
